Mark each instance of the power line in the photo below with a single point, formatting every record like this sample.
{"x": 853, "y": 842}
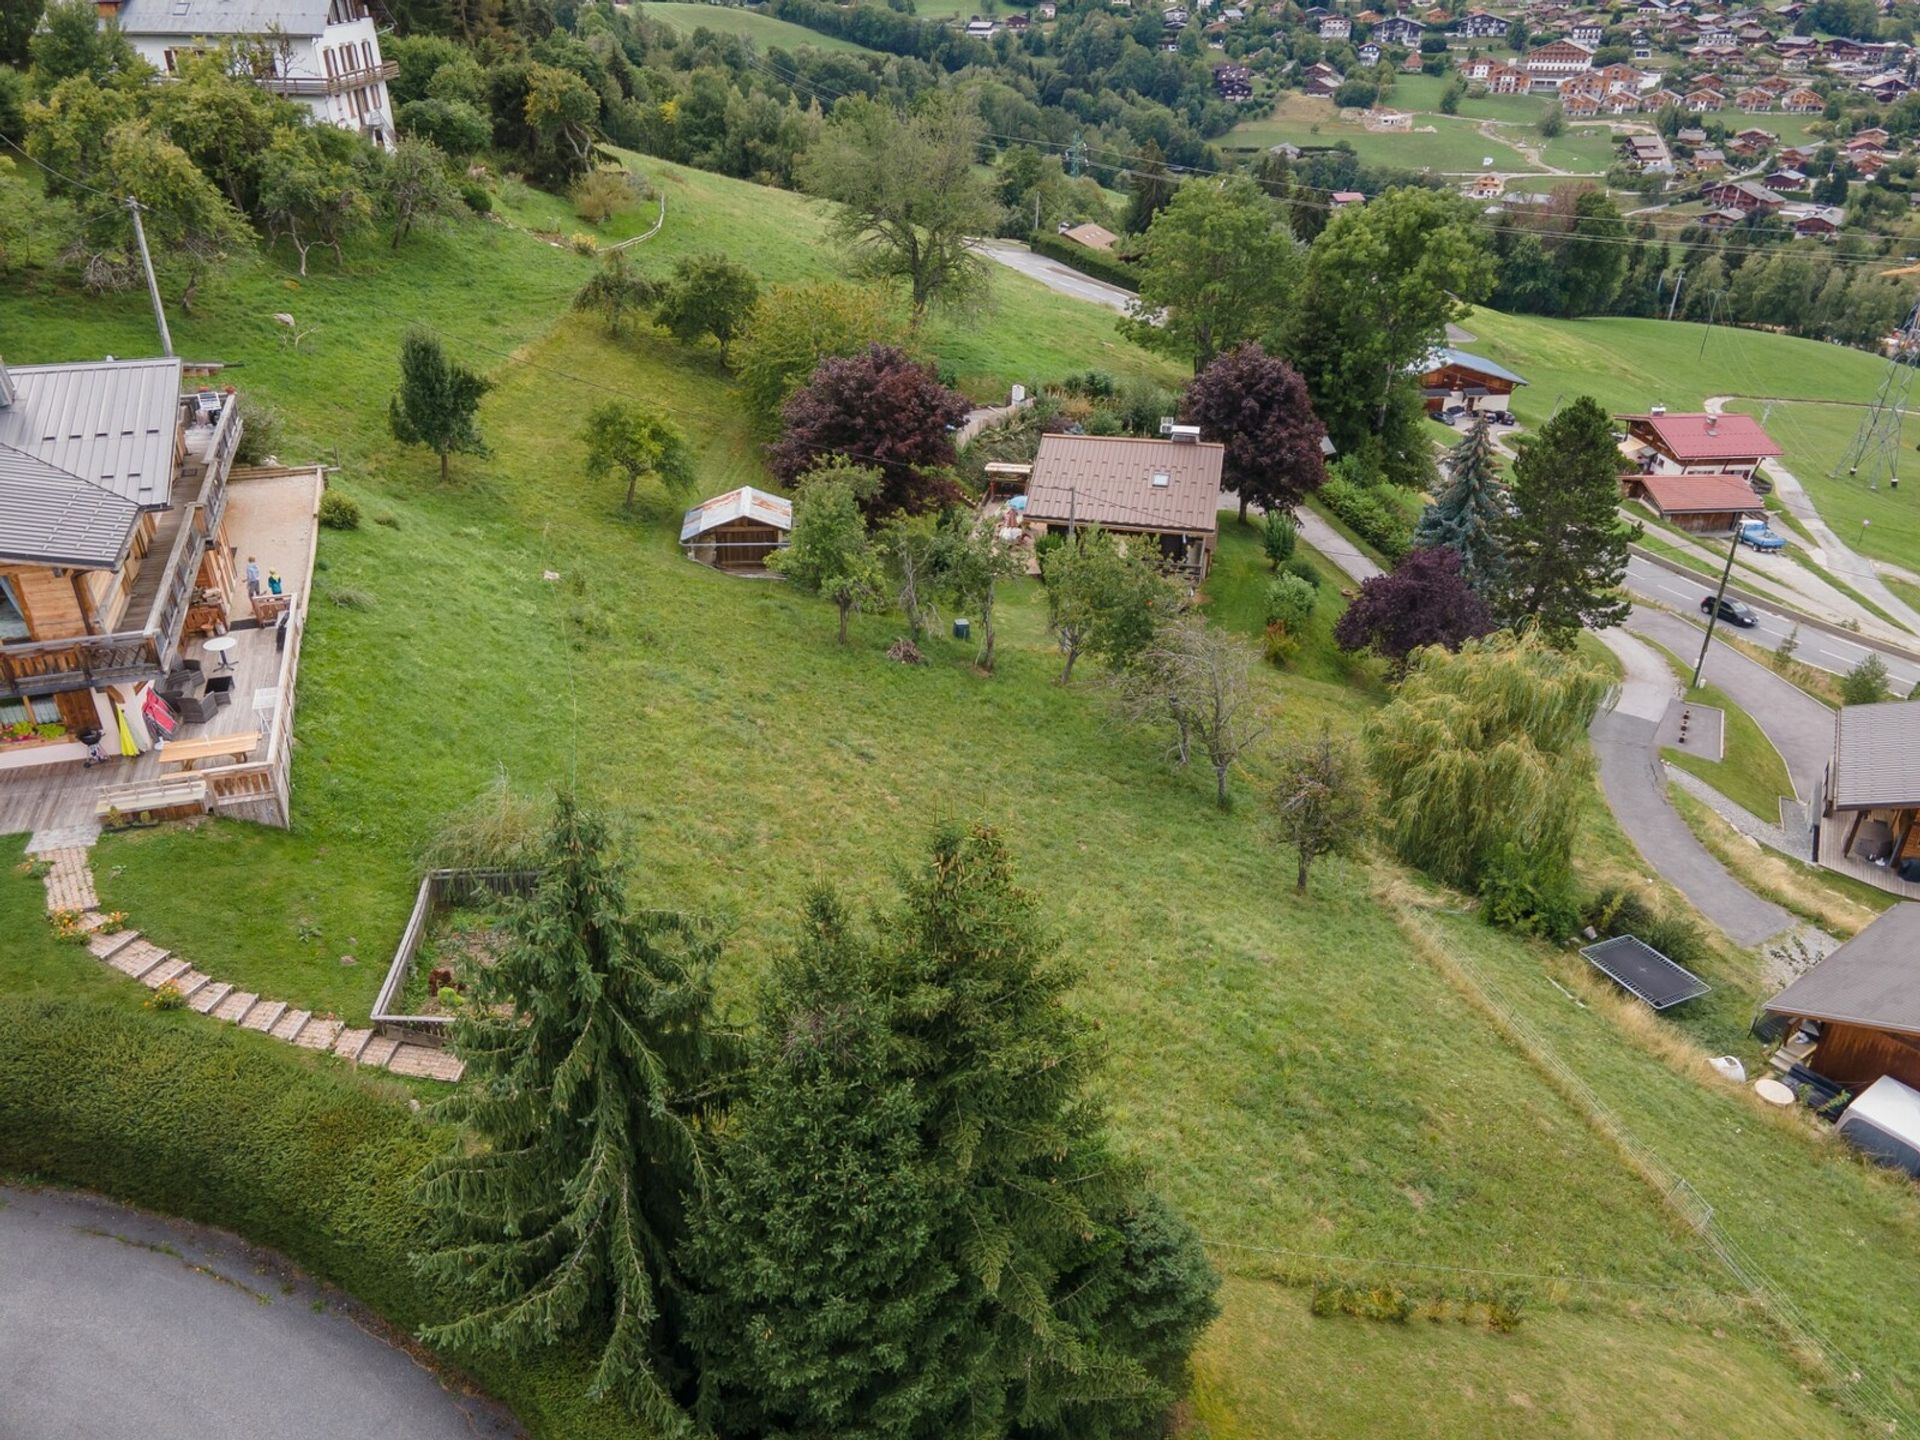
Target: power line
{"x": 58, "y": 175}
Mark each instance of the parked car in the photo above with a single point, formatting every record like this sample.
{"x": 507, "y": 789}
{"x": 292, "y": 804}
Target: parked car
{"x": 1452, "y": 415}
{"x": 1760, "y": 537}
{"x": 1733, "y": 612}
{"x": 1499, "y": 417}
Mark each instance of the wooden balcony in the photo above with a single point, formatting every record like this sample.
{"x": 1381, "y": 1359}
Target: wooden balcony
{"x": 81, "y": 662}
{"x": 312, "y": 85}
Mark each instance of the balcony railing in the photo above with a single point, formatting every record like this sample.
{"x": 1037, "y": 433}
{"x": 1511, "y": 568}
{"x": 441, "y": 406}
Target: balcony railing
{"x": 80, "y": 662}
{"x": 310, "y": 85}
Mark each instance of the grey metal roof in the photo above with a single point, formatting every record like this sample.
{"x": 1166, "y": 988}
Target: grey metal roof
{"x": 1444, "y": 355}
{"x": 1872, "y": 980}
{"x": 222, "y": 17}
{"x": 48, "y": 517}
{"x": 111, "y": 423}
{"x": 1876, "y": 755}
{"x": 744, "y": 503}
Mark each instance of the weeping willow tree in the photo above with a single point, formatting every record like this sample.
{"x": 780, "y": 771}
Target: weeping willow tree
{"x": 1482, "y": 748}
{"x": 593, "y": 1068}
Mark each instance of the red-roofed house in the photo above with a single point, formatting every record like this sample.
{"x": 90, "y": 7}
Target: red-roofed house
{"x": 1702, "y": 504}
{"x": 1698, "y": 444}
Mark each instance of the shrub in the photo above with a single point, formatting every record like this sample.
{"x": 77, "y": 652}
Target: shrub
{"x": 1278, "y": 535}
{"x": 259, "y": 429}
{"x": 1100, "y": 264}
{"x": 1091, "y": 385}
{"x": 1866, "y": 683}
{"x": 166, "y": 997}
{"x": 454, "y": 125}
{"x": 1279, "y": 644}
{"x": 599, "y": 195}
{"x": 1364, "y": 510}
{"x": 582, "y": 244}
{"x": 339, "y": 512}
{"x": 1302, "y": 567}
{"x": 475, "y": 195}
{"x": 1290, "y": 601}
{"x": 1520, "y": 890}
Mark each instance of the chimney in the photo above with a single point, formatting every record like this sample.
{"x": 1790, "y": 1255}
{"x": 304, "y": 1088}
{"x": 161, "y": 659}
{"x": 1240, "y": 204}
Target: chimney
{"x": 107, "y": 9}
{"x": 1713, "y": 424}
{"x": 1656, "y": 409}
{"x": 7, "y": 392}
{"x": 1184, "y": 434}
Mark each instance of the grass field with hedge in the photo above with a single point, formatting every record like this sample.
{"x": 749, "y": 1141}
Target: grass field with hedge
{"x": 1301, "y": 1081}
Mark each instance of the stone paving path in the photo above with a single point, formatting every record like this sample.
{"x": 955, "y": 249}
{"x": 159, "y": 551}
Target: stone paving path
{"x": 69, "y": 882}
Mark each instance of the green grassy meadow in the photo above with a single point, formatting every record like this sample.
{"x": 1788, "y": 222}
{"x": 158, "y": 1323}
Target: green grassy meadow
{"x": 1811, "y": 395}
{"x": 1303, "y": 1079}
{"x": 766, "y": 31}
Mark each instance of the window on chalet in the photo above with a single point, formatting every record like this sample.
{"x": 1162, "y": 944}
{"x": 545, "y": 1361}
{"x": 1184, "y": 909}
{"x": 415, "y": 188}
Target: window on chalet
{"x": 13, "y": 618}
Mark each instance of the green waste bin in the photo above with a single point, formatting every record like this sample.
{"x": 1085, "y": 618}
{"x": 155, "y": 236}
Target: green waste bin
{"x": 963, "y": 629}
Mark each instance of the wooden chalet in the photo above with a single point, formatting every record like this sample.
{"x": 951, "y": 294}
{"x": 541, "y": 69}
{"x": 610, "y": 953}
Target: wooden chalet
{"x": 1453, "y": 377}
{"x": 737, "y": 531}
{"x": 113, "y": 492}
{"x": 1699, "y": 504}
{"x": 1697, "y": 444}
{"x": 1166, "y": 491}
{"x": 1855, "y": 1017}
{"x": 1869, "y": 810}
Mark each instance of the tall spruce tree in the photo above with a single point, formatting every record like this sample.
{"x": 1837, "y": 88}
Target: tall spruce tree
{"x": 1566, "y": 543}
{"x": 593, "y": 1067}
{"x": 919, "y": 1227}
{"x": 1467, "y": 516}
{"x": 827, "y": 1305}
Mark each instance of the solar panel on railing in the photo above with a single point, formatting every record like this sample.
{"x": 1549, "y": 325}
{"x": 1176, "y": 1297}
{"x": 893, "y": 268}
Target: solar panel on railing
{"x": 1644, "y": 972}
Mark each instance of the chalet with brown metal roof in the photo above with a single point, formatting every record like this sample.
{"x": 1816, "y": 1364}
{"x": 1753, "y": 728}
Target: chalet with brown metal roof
{"x": 1167, "y": 491}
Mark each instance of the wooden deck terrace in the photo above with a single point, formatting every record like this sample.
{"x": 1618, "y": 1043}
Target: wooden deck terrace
{"x": 271, "y": 515}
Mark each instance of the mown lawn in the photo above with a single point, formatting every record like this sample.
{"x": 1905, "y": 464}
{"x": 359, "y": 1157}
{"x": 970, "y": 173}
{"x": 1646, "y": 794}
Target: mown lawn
{"x": 31, "y": 960}
{"x": 766, "y": 31}
{"x": 1629, "y": 364}
{"x": 1299, "y": 1080}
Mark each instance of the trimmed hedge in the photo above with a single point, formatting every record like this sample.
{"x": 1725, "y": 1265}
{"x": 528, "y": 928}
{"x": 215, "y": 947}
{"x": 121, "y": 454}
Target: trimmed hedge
{"x": 1096, "y": 263}
{"x": 287, "y": 1149}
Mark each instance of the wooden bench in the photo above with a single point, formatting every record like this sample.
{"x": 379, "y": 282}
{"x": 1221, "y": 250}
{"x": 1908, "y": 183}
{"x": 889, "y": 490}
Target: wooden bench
{"x": 155, "y": 797}
{"x": 187, "y": 753}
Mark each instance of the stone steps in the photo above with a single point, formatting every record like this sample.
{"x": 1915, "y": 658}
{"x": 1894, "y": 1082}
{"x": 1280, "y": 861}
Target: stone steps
{"x": 235, "y": 1005}
{"x": 290, "y": 1025}
{"x": 69, "y": 885}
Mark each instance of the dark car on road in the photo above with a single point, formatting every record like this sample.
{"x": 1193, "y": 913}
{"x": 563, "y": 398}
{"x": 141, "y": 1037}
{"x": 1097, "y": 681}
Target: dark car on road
{"x": 1732, "y": 611}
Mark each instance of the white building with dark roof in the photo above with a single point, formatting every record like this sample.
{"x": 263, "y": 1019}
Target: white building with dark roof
{"x": 324, "y": 54}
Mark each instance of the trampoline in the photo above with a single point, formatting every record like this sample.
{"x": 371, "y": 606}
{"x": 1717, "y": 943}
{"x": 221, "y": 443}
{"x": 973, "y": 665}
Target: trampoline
{"x": 1644, "y": 972}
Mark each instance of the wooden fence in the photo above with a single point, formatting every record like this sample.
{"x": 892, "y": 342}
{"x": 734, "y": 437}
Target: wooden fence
{"x": 439, "y": 890}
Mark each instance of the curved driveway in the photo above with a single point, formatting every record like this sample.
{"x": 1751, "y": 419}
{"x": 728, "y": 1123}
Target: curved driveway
{"x": 115, "y": 1325}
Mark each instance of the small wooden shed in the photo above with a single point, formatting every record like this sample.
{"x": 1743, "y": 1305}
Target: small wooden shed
{"x": 737, "y": 531}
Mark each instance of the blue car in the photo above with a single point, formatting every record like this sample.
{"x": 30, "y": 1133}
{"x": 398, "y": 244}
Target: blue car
{"x": 1756, "y": 534}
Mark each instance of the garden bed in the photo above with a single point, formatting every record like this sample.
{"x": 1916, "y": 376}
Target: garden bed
{"x": 457, "y": 928}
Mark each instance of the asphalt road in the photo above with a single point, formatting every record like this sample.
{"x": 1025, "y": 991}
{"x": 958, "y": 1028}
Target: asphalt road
{"x": 117, "y": 1325}
{"x": 1816, "y": 647}
{"x": 1055, "y": 276}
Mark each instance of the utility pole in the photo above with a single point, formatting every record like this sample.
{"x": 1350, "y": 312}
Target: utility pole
{"x": 1713, "y": 615}
{"x": 1678, "y": 281}
{"x": 153, "y": 285}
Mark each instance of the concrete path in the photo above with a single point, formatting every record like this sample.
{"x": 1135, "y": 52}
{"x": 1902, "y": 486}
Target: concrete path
{"x": 1055, "y": 276}
{"x": 1339, "y": 550}
{"x": 117, "y": 1325}
{"x": 1800, "y": 727}
{"x": 1634, "y": 783}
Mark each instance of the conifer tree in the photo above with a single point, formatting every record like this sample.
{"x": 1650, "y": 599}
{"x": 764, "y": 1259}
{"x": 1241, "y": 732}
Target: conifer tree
{"x": 593, "y": 1067}
{"x": 1467, "y": 515}
{"x": 1566, "y": 543}
{"x": 437, "y": 401}
{"x": 918, "y": 1227}
{"x": 827, "y": 1307}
